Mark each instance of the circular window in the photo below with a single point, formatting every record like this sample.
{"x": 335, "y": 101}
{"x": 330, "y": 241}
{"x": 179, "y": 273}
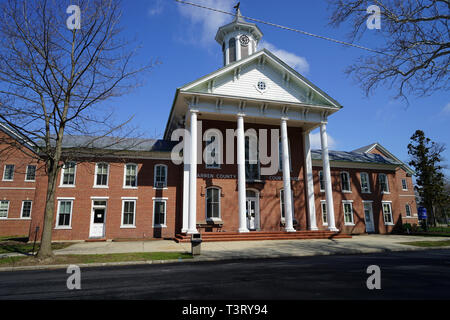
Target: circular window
{"x": 244, "y": 40}
{"x": 262, "y": 85}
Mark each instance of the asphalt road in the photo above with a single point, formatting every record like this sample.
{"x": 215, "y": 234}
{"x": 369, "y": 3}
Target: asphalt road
{"x": 404, "y": 275}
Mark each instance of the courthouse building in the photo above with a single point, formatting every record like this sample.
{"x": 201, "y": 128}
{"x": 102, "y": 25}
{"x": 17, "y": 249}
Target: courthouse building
{"x": 142, "y": 193}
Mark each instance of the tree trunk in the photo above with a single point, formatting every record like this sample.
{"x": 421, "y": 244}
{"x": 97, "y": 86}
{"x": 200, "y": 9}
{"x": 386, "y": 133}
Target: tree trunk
{"x": 45, "y": 250}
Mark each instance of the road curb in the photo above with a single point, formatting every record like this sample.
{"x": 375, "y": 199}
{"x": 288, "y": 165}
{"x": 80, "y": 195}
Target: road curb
{"x": 213, "y": 259}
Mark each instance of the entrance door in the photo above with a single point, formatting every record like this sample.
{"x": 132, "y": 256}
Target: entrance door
{"x": 252, "y": 209}
{"x": 98, "y": 219}
{"x": 368, "y": 216}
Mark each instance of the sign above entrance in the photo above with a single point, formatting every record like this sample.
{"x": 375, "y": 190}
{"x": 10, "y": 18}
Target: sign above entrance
{"x": 233, "y": 176}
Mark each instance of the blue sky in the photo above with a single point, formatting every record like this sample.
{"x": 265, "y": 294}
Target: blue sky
{"x": 182, "y": 39}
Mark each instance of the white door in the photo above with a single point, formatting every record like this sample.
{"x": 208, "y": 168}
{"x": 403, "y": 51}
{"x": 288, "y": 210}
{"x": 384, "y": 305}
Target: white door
{"x": 368, "y": 216}
{"x": 251, "y": 213}
{"x": 97, "y": 229}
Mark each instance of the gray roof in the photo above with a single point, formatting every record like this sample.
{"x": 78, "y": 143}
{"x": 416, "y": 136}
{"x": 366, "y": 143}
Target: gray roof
{"x": 365, "y": 148}
{"x": 354, "y": 157}
{"x": 117, "y": 143}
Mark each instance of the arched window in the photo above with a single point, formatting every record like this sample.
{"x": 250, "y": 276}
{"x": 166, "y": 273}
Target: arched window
{"x": 213, "y": 203}
{"x": 160, "y": 176}
{"x": 232, "y": 50}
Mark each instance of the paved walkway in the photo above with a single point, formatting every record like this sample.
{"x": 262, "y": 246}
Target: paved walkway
{"x": 258, "y": 249}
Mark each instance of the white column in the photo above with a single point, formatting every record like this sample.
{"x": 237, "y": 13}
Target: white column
{"x": 286, "y": 177}
{"x": 238, "y": 49}
{"x": 309, "y": 181}
{"x": 184, "y": 228}
{"x": 241, "y": 173}
{"x": 192, "y": 227}
{"x": 327, "y": 177}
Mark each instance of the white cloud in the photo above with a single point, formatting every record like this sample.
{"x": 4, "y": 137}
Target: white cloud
{"x": 314, "y": 139}
{"x": 298, "y": 63}
{"x": 157, "y": 8}
{"x": 208, "y": 21}
{"x": 446, "y": 109}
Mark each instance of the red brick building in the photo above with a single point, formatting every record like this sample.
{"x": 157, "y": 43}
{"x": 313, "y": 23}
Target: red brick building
{"x": 145, "y": 193}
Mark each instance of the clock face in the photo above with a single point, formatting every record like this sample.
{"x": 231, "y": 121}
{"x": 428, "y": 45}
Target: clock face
{"x": 244, "y": 40}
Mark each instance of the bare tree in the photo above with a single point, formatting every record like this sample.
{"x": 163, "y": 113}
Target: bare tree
{"x": 54, "y": 80}
{"x": 415, "y": 44}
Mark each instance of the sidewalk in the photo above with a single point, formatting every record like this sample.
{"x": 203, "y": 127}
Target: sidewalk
{"x": 259, "y": 249}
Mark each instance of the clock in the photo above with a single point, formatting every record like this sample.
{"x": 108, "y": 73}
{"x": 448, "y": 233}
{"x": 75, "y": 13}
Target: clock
{"x": 244, "y": 40}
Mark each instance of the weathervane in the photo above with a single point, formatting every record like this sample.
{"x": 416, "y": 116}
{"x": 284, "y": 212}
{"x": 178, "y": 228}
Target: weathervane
{"x": 237, "y": 6}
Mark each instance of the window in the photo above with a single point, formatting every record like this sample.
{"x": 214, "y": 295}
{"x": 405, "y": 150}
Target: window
{"x": 251, "y": 156}
{"x": 321, "y": 181}
{"x": 323, "y": 205}
{"x": 345, "y": 182}
{"x": 387, "y": 213}
{"x": 404, "y": 185}
{"x": 128, "y": 213}
{"x": 408, "y": 210}
{"x": 232, "y": 50}
{"x": 213, "y": 203}
{"x": 4, "y": 208}
{"x": 159, "y": 213}
{"x": 160, "y": 176}
{"x": 68, "y": 174}
{"x": 8, "y": 173}
{"x": 212, "y": 154}
{"x": 348, "y": 213}
{"x": 26, "y": 209}
{"x": 31, "y": 173}
{"x": 365, "y": 186}
{"x": 282, "y": 203}
{"x": 384, "y": 187}
{"x": 130, "y": 176}
{"x": 64, "y": 214}
{"x": 101, "y": 174}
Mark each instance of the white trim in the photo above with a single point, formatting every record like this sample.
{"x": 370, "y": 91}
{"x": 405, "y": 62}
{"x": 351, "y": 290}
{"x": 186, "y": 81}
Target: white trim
{"x": 162, "y": 198}
{"x": 323, "y": 179}
{"x": 322, "y": 202}
{"x": 4, "y": 172}
{"x": 350, "y": 202}
{"x": 257, "y": 206}
{"x": 206, "y": 203}
{"x": 165, "y": 175}
{"x": 62, "y": 176}
{"x": 125, "y": 175}
{"x": 349, "y": 190}
{"x": 7, "y": 210}
{"x": 31, "y": 209}
{"x": 65, "y": 198}
{"x": 387, "y": 182}
{"x": 71, "y": 200}
{"x": 406, "y": 183}
{"x": 406, "y": 211}
{"x": 93, "y": 207}
{"x": 129, "y": 198}
{"x": 164, "y": 225}
{"x": 99, "y": 198}
{"x": 107, "y": 176}
{"x": 391, "y": 213}
{"x": 124, "y": 226}
{"x": 406, "y": 195}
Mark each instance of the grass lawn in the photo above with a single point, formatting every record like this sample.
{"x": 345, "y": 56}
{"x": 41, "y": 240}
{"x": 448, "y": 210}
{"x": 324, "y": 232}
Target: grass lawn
{"x": 94, "y": 258}
{"x": 442, "y": 243}
{"x": 19, "y": 244}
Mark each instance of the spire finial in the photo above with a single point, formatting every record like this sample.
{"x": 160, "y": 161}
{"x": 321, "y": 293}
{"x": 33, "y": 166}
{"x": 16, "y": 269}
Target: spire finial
{"x": 237, "y": 7}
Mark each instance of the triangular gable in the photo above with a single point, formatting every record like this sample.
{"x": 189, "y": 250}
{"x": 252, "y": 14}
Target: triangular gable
{"x": 240, "y": 79}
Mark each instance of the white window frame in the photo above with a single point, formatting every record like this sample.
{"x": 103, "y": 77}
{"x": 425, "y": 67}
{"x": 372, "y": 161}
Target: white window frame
{"x": 391, "y": 213}
{"x": 407, "y": 205}
{"x": 107, "y": 176}
{"x": 74, "y": 176}
{"x": 26, "y": 173}
{"x": 206, "y": 205}
{"x": 21, "y": 210}
{"x": 125, "y": 176}
{"x": 128, "y": 226}
{"x": 164, "y": 225}
{"x": 7, "y": 209}
{"x": 165, "y": 178}
{"x": 57, "y": 226}
{"x": 387, "y": 183}
{"x": 4, "y": 172}
{"x": 322, "y": 203}
{"x": 344, "y": 202}
{"x": 368, "y": 182}
{"x": 406, "y": 184}
{"x": 349, "y": 182}
{"x": 323, "y": 179}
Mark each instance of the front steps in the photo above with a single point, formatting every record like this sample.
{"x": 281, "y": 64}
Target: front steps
{"x": 263, "y": 235}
